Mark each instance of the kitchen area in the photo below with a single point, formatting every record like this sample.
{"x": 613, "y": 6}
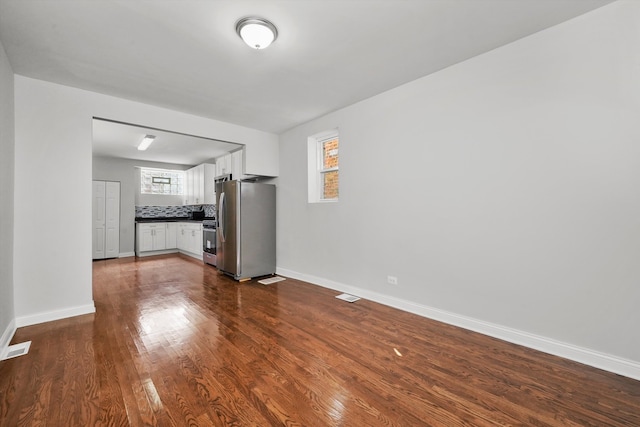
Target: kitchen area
{"x": 213, "y": 212}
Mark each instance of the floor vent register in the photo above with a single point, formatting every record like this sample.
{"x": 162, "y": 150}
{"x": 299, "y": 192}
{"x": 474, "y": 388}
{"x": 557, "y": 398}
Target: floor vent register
{"x": 271, "y": 280}
{"x": 347, "y": 297}
{"x": 16, "y": 350}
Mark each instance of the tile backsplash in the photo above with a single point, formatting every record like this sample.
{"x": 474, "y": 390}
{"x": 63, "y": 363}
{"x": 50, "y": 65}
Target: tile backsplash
{"x": 209, "y": 210}
{"x": 174, "y": 211}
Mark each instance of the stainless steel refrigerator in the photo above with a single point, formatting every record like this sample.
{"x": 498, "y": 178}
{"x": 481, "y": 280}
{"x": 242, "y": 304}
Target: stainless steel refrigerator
{"x": 246, "y": 234}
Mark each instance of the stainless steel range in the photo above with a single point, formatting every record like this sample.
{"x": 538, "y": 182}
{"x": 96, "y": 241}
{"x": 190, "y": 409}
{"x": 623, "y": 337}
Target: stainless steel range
{"x": 209, "y": 241}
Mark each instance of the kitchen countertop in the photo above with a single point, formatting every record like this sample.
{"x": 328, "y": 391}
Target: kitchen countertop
{"x": 170, "y": 219}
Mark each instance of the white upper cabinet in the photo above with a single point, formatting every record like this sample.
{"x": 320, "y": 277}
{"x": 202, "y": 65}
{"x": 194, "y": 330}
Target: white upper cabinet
{"x": 223, "y": 165}
{"x": 209, "y": 184}
{"x": 237, "y": 165}
{"x": 188, "y": 187}
{"x": 199, "y": 185}
{"x": 232, "y": 163}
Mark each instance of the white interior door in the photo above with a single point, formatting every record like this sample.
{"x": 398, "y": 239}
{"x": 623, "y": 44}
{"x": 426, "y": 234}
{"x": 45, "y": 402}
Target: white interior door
{"x": 99, "y": 222}
{"x": 112, "y": 219}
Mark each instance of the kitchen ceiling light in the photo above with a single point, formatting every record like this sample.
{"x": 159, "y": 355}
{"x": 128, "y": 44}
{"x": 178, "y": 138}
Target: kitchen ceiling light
{"x": 146, "y": 142}
{"x": 258, "y": 33}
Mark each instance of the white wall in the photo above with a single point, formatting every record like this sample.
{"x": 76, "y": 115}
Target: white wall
{"x": 7, "y": 146}
{"x": 157, "y": 199}
{"x": 53, "y": 132}
{"x": 502, "y": 191}
{"x": 125, "y": 171}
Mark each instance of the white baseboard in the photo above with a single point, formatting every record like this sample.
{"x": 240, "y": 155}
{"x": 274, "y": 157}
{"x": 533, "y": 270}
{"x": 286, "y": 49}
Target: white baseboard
{"x": 126, "y": 254}
{"x": 34, "y": 319}
{"x": 7, "y": 336}
{"x": 599, "y": 360}
{"x": 152, "y": 253}
{"x": 165, "y": 252}
{"x": 192, "y": 255}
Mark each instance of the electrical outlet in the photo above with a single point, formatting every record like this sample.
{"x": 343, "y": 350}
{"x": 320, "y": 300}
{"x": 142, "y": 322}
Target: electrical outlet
{"x": 392, "y": 280}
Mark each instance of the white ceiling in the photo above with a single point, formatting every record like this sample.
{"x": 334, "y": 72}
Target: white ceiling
{"x": 185, "y": 55}
{"x": 121, "y": 140}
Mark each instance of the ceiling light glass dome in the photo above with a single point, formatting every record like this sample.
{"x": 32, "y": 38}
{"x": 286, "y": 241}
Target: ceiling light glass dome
{"x": 258, "y": 33}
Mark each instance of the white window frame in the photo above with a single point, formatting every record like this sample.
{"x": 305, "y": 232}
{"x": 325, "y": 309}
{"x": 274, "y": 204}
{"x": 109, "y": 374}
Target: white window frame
{"x": 315, "y": 166}
{"x": 172, "y": 171}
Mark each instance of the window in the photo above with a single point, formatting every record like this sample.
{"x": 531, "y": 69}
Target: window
{"x": 323, "y": 151}
{"x": 161, "y": 181}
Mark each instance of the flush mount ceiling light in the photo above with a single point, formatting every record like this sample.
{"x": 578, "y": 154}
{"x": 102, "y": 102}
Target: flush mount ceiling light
{"x": 258, "y": 33}
{"x": 146, "y": 142}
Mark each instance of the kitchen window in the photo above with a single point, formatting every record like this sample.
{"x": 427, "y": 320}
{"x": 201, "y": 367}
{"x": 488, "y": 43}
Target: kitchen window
{"x": 323, "y": 156}
{"x": 161, "y": 181}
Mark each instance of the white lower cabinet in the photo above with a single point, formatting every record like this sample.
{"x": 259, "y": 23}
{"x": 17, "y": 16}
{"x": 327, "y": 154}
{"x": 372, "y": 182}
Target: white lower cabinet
{"x": 189, "y": 238}
{"x": 152, "y": 237}
{"x": 180, "y": 236}
{"x": 144, "y": 238}
{"x": 196, "y": 240}
{"x": 172, "y": 234}
{"x": 166, "y": 237}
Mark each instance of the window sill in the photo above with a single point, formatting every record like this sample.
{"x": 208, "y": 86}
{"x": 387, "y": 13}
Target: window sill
{"x": 324, "y": 201}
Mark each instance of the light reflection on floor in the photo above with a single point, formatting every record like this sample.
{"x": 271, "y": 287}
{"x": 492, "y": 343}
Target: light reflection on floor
{"x": 158, "y": 325}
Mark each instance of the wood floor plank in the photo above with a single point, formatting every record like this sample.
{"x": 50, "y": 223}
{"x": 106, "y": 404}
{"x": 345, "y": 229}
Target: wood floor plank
{"x": 175, "y": 343}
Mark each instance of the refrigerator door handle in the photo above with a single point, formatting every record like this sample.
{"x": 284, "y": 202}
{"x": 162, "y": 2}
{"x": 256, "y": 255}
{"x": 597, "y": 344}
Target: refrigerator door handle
{"x": 221, "y": 225}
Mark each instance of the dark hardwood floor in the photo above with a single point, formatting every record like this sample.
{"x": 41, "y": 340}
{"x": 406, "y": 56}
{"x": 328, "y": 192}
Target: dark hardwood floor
{"x": 174, "y": 343}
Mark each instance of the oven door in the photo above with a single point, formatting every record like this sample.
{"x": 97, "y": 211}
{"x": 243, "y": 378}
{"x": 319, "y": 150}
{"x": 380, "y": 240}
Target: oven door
{"x": 209, "y": 240}
{"x": 209, "y": 246}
